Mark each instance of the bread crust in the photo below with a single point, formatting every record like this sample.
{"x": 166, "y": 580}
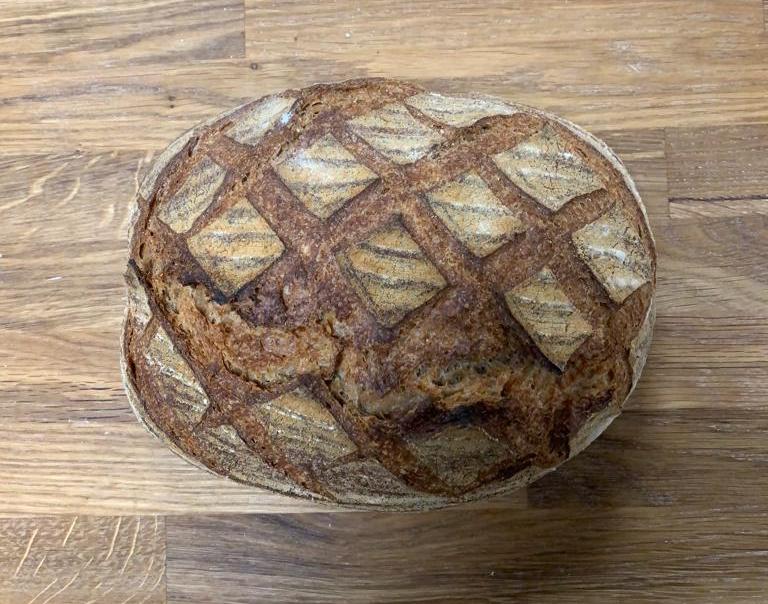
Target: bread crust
{"x": 371, "y": 295}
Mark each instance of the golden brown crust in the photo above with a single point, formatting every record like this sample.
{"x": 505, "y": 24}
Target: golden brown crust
{"x": 378, "y": 296}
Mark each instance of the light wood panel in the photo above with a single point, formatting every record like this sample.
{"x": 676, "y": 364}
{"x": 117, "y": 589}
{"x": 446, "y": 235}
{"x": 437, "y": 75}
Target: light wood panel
{"x": 607, "y": 65}
{"x": 99, "y": 467}
{"x": 668, "y": 506}
{"x": 82, "y": 559}
{"x": 65, "y": 220}
{"x": 38, "y": 33}
{"x": 603, "y": 63}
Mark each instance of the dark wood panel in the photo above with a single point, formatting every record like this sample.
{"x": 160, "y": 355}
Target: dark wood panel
{"x": 540, "y": 555}
{"x": 664, "y": 458}
{"x": 713, "y": 267}
{"x": 705, "y": 362}
{"x": 717, "y": 172}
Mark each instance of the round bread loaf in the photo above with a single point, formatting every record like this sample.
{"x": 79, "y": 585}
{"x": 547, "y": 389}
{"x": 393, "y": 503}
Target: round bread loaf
{"x": 373, "y": 295}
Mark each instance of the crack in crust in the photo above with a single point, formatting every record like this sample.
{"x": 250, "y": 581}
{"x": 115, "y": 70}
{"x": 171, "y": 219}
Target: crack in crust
{"x": 449, "y": 368}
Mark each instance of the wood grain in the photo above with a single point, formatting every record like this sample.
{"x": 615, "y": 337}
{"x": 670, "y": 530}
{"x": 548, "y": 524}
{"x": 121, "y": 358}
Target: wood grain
{"x": 37, "y": 33}
{"x": 644, "y": 154}
{"x": 713, "y": 267}
{"x": 99, "y": 467}
{"x": 65, "y": 219}
{"x": 81, "y": 559}
{"x": 600, "y": 62}
{"x": 715, "y": 362}
{"x": 537, "y": 556}
{"x": 668, "y": 506}
{"x": 718, "y": 171}
{"x": 606, "y": 65}
{"x": 765, "y": 14}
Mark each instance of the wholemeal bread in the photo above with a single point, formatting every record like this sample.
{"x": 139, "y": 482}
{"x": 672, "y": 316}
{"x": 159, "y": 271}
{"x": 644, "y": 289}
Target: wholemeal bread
{"x": 373, "y": 295}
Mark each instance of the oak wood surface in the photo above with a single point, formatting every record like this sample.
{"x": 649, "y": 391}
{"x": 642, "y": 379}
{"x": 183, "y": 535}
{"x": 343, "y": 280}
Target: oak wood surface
{"x": 79, "y": 559}
{"x": 670, "y": 505}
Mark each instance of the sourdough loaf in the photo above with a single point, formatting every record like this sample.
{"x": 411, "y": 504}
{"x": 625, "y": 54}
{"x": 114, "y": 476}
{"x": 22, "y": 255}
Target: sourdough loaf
{"x": 374, "y": 295}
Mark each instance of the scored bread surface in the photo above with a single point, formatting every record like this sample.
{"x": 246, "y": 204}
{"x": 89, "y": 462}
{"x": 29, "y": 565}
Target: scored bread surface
{"x": 373, "y": 295}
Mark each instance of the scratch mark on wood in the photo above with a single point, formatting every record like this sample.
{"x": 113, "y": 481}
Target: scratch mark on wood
{"x": 109, "y": 214}
{"x": 69, "y": 532}
{"x": 35, "y": 188}
{"x": 128, "y": 207}
{"x": 40, "y": 593}
{"x": 26, "y": 552}
{"x": 39, "y": 564}
{"x": 114, "y": 538}
{"x": 154, "y": 587}
{"x": 71, "y": 195}
{"x": 143, "y": 581}
{"x": 70, "y": 582}
{"x": 133, "y": 545}
{"x": 96, "y": 588}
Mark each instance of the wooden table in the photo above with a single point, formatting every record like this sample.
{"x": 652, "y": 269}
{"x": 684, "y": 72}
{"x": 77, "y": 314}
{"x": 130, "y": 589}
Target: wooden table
{"x": 670, "y": 505}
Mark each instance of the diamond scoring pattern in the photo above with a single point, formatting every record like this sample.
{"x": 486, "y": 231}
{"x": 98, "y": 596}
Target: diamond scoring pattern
{"x": 548, "y": 315}
{"x": 395, "y": 133}
{"x": 295, "y": 419}
{"x": 324, "y": 176}
{"x": 459, "y": 454}
{"x": 394, "y": 276}
{"x": 543, "y": 167}
{"x": 251, "y": 126}
{"x": 194, "y": 196}
{"x": 175, "y": 378}
{"x": 391, "y": 272}
{"x": 473, "y": 214}
{"x": 614, "y": 252}
{"x": 236, "y": 247}
{"x": 459, "y": 111}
